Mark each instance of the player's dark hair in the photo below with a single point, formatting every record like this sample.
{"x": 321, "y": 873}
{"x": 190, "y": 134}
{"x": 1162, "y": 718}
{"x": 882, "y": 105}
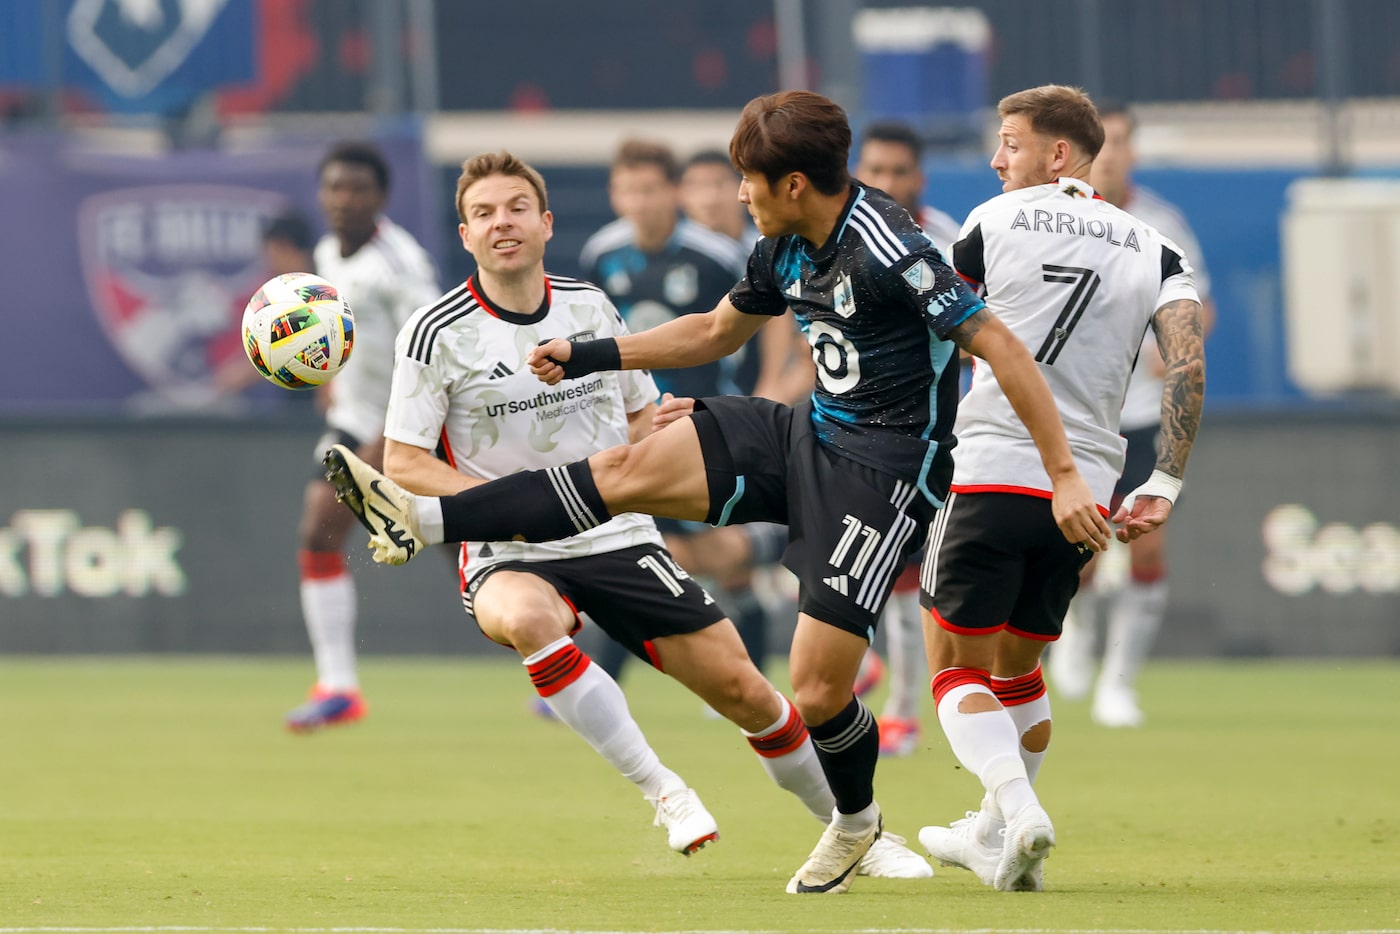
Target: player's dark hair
{"x": 893, "y": 131}
{"x": 358, "y": 153}
{"x": 289, "y": 227}
{"x": 1115, "y": 107}
{"x": 638, "y": 153}
{"x": 794, "y": 131}
{"x": 709, "y": 157}
{"x": 1060, "y": 111}
{"x": 498, "y": 163}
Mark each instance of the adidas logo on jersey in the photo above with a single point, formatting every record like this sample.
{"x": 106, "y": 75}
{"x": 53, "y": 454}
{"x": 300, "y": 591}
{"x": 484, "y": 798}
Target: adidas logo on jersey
{"x": 500, "y": 371}
{"x": 795, "y": 290}
{"x": 837, "y": 583}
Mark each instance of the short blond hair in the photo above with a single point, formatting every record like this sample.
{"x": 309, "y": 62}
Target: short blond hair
{"x": 1058, "y": 110}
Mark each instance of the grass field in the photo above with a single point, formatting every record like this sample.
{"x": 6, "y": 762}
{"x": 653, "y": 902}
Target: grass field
{"x": 155, "y": 793}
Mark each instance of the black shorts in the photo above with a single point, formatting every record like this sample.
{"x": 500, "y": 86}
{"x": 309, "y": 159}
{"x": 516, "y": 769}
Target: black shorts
{"x": 850, "y": 527}
{"x": 635, "y": 595}
{"x": 998, "y": 561}
{"x": 330, "y": 437}
{"x": 1140, "y": 461}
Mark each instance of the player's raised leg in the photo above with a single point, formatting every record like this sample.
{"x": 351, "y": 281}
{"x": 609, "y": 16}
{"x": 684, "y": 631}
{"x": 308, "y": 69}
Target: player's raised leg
{"x": 661, "y": 475}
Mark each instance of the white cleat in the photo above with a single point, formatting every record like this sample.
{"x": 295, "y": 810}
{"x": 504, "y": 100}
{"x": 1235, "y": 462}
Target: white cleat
{"x": 831, "y": 867}
{"x": 381, "y": 505}
{"x": 959, "y": 845}
{"x": 1026, "y": 842}
{"x": 688, "y": 825}
{"x": 890, "y": 858}
{"x": 1116, "y": 706}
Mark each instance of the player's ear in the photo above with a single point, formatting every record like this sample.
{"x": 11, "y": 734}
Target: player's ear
{"x": 795, "y": 184}
{"x": 462, "y": 232}
{"x": 548, "y": 219}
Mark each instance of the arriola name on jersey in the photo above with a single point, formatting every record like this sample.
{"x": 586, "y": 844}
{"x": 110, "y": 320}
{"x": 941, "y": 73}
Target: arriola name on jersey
{"x": 1063, "y": 222}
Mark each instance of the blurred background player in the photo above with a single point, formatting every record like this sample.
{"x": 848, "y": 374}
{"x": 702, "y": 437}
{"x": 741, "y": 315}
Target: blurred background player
{"x": 709, "y": 196}
{"x": 656, "y": 264}
{"x": 384, "y": 275}
{"x": 891, "y": 158}
{"x": 1135, "y": 611}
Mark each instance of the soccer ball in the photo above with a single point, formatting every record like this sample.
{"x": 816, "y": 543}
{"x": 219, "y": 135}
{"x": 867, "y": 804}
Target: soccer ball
{"x": 298, "y": 330}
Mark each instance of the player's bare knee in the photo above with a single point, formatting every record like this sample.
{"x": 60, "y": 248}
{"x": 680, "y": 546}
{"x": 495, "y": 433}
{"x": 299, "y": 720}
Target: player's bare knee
{"x": 1037, "y": 738}
{"x": 613, "y": 470}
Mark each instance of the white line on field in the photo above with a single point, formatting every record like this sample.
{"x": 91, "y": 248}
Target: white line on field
{"x": 196, "y": 929}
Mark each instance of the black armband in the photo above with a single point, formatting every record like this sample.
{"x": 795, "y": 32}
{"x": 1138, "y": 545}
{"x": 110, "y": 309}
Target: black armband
{"x": 590, "y": 357}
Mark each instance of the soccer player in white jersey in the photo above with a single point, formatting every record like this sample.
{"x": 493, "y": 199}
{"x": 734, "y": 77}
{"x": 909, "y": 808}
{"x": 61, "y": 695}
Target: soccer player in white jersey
{"x": 384, "y": 275}
{"x": 1134, "y": 612}
{"x": 890, "y": 158}
{"x": 1079, "y": 281}
{"x": 462, "y": 385}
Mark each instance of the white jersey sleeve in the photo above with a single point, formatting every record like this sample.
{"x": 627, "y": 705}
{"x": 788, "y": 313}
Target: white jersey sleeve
{"x": 1078, "y": 281}
{"x": 383, "y": 281}
{"x": 461, "y": 384}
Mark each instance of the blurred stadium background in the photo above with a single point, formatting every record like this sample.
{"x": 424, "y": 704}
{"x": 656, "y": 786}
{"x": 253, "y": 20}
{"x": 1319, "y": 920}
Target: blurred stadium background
{"x": 143, "y": 143}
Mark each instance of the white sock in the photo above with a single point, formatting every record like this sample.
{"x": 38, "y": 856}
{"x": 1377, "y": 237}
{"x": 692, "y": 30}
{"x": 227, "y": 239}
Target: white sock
{"x": 1026, "y": 716}
{"x": 987, "y": 744}
{"x": 594, "y": 707}
{"x": 328, "y": 606}
{"x": 904, "y": 654}
{"x": 1132, "y": 628}
{"x": 786, "y": 753}
{"x": 429, "y": 510}
{"x": 859, "y": 822}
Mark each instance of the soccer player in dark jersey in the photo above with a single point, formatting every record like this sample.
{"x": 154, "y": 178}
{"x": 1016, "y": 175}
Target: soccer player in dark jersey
{"x": 856, "y": 472}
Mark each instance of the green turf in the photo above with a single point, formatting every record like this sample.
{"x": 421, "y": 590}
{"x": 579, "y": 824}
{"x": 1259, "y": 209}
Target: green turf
{"x": 1261, "y": 796}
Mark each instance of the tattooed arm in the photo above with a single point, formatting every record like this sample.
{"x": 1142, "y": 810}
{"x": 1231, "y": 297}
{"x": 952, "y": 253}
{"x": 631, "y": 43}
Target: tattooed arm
{"x": 1177, "y": 326}
{"x": 1179, "y": 331}
{"x": 984, "y": 335}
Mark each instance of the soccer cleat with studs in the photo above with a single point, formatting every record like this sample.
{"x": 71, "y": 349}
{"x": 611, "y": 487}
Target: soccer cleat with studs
{"x": 689, "y": 826}
{"x": 382, "y": 506}
{"x": 833, "y": 864}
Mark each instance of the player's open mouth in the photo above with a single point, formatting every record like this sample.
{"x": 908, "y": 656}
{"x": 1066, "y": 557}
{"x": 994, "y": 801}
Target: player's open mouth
{"x": 506, "y": 244}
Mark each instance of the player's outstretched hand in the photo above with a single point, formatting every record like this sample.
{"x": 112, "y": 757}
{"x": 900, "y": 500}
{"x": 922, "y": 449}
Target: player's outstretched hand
{"x": 1078, "y": 515}
{"x": 671, "y": 410}
{"x": 545, "y": 358}
{"x": 1146, "y": 514}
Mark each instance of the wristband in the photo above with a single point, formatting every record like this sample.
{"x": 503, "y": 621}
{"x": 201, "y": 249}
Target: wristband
{"x": 587, "y": 357}
{"x": 1159, "y": 484}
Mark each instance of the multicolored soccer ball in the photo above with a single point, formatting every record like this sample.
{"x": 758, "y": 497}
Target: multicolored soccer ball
{"x": 298, "y": 331}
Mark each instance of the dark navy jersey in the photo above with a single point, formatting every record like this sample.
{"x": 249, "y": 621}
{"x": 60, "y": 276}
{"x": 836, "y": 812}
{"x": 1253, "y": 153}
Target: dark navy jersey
{"x": 877, "y": 302}
{"x": 688, "y": 275}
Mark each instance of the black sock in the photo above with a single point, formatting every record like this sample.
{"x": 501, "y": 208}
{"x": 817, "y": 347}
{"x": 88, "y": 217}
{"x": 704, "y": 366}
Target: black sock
{"x": 534, "y": 505}
{"x": 848, "y": 746}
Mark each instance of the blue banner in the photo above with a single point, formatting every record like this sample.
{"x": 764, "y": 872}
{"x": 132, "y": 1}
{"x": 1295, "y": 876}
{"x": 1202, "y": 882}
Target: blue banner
{"x": 131, "y": 55}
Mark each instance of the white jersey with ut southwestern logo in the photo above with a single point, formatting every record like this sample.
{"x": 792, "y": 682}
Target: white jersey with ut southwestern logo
{"x": 383, "y": 282}
{"x": 1078, "y": 281}
{"x": 461, "y": 381}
